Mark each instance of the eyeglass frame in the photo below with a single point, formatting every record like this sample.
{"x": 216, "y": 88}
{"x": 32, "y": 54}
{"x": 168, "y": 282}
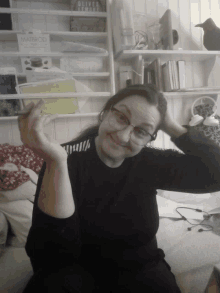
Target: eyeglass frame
{"x": 152, "y": 136}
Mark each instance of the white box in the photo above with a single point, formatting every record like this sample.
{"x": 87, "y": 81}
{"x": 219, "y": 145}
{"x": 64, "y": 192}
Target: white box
{"x": 34, "y": 42}
{"x": 80, "y": 64}
{"x": 40, "y": 74}
{"x": 122, "y": 25}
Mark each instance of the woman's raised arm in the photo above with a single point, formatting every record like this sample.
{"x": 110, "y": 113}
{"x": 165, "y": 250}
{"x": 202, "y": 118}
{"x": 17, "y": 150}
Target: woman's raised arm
{"x": 55, "y": 198}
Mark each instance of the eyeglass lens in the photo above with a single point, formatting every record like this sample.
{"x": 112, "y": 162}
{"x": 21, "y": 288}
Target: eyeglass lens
{"x": 119, "y": 121}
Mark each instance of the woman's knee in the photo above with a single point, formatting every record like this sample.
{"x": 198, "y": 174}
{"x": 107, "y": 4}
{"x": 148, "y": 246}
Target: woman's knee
{"x": 157, "y": 279}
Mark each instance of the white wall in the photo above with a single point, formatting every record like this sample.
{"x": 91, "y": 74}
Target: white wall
{"x": 185, "y": 15}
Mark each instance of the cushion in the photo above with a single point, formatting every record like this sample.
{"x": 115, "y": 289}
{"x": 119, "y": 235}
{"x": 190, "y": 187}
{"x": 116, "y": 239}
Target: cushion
{"x": 19, "y": 215}
{"x": 18, "y": 156}
{"x": 3, "y": 229}
{"x": 212, "y": 132}
{"x": 25, "y": 191}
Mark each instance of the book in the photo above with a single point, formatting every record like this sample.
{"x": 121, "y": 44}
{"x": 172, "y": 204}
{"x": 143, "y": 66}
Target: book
{"x": 176, "y": 75}
{"x": 153, "y": 74}
{"x": 166, "y": 77}
{"x": 181, "y": 74}
{"x": 173, "y": 73}
{"x": 170, "y": 75}
{"x": 139, "y": 70}
{"x": 175, "y": 85}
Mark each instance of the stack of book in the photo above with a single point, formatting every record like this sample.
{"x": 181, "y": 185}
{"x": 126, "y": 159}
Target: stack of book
{"x": 152, "y": 74}
{"x": 174, "y": 76}
{"x": 167, "y": 77}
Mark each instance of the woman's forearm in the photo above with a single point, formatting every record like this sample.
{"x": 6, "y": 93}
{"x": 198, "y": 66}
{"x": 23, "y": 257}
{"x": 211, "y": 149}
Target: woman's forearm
{"x": 175, "y": 130}
{"x": 56, "y": 197}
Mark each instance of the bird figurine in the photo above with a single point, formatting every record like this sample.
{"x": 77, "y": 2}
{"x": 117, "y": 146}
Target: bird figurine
{"x": 211, "y": 38}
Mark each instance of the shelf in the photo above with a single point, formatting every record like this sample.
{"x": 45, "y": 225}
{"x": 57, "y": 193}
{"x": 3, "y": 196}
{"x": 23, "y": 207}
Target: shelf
{"x": 54, "y": 12}
{"x": 53, "y": 54}
{"x": 55, "y": 95}
{"x": 82, "y": 75}
{"x": 59, "y": 36}
{"x": 59, "y": 116}
{"x": 191, "y": 93}
{"x": 166, "y": 55}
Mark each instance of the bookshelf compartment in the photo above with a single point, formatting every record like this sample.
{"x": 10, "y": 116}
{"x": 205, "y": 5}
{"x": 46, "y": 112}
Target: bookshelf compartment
{"x": 199, "y": 71}
{"x": 165, "y": 55}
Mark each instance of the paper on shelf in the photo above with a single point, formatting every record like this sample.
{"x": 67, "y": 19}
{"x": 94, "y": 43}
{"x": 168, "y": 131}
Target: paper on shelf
{"x": 53, "y": 105}
{"x": 59, "y": 105}
{"x": 79, "y": 47}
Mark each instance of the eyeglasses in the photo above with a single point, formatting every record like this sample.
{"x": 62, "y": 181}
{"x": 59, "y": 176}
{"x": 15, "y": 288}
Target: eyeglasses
{"x": 119, "y": 121}
{"x": 195, "y": 222}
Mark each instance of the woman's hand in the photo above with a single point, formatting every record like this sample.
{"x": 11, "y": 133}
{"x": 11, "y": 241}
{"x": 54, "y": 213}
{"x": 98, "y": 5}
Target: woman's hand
{"x": 31, "y": 125}
{"x": 172, "y": 127}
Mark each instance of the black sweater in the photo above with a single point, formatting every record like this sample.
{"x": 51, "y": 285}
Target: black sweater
{"x": 116, "y": 208}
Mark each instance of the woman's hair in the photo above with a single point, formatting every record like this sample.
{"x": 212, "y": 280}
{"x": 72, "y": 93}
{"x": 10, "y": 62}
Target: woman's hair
{"x": 152, "y": 95}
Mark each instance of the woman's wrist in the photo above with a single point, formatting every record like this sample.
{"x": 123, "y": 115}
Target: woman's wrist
{"x": 56, "y": 163}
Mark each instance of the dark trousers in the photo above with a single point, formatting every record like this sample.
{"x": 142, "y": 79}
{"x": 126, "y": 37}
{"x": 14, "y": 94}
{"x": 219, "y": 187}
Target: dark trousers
{"x": 97, "y": 277}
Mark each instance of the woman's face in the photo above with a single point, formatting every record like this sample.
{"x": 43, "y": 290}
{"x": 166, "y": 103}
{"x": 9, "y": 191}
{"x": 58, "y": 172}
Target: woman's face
{"x": 113, "y": 146}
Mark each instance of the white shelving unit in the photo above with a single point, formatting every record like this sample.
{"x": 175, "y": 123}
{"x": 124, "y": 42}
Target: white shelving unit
{"x": 201, "y": 61}
{"x": 58, "y": 36}
{"x": 166, "y": 55}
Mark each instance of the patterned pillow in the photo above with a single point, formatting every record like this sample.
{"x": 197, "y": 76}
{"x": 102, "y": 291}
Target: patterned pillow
{"x": 18, "y": 156}
{"x": 212, "y": 132}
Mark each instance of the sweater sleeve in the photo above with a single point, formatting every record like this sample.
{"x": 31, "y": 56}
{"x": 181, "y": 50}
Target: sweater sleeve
{"x": 195, "y": 171}
{"x": 50, "y": 236}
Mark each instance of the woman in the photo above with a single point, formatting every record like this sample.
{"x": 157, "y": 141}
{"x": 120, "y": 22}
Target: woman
{"x": 95, "y": 213}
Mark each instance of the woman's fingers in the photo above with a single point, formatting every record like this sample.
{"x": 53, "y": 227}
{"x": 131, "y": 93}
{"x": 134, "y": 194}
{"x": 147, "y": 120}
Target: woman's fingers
{"x": 26, "y": 110}
{"x": 35, "y": 111}
{"x": 50, "y": 117}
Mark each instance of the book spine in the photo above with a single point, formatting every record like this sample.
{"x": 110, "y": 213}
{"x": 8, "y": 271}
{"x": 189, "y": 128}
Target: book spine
{"x": 160, "y": 83}
{"x": 156, "y": 77}
{"x": 174, "y": 75}
{"x": 165, "y": 72}
{"x": 177, "y": 76}
{"x": 170, "y": 75}
{"x": 176, "y": 86}
{"x": 142, "y": 71}
{"x": 182, "y": 74}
